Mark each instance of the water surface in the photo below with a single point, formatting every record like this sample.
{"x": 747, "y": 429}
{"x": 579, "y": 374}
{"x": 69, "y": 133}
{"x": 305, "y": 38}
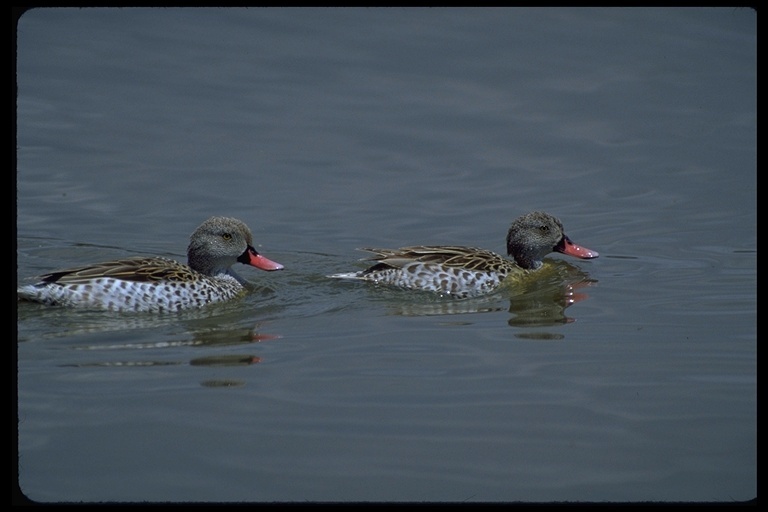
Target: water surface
{"x": 631, "y": 377}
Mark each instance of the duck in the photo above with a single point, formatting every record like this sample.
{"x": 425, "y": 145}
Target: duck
{"x": 462, "y": 272}
{"x": 159, "y": 284}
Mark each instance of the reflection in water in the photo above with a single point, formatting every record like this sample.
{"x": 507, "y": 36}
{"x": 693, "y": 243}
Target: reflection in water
{"x": 211, "y": 337}
{"x": 223, "y": 337}
{"x": 543, "y": 305}
{"x": 117, "y": 364}
{"x": 131, "y": 341}
{"x": 38, "y": 322}
{"x": 537, "y": 300}
{"x": 220, "y": 360}
{"x": 225, "y": 360}
{"x": 549, "y": 336}
{"x": 222, "y": 383}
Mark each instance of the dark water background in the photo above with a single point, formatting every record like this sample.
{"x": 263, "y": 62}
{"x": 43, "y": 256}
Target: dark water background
{"x": 627, "y": 378}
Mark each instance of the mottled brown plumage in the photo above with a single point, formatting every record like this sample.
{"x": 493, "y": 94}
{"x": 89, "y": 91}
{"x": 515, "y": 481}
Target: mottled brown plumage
{"x": 467, "y": 271}
{"x": 158, "y": 284}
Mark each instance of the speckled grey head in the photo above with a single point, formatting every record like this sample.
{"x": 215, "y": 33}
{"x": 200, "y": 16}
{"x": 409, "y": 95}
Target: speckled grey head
{"x": 220, "y": 242}
{"x": 536, "y": 234}
{"x": 217, "y": 243}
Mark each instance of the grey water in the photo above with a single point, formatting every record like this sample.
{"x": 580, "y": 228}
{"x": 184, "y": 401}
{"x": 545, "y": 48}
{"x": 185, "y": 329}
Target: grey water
{"x": 631, "y": 377}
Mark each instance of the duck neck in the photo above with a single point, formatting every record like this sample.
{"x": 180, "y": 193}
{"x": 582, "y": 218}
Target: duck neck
{"x": 524, "y": 258}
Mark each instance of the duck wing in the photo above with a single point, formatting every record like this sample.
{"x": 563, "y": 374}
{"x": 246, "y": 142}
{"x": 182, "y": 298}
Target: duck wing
{"x": 469, "y": 258}
{"x": 138, "y": 269}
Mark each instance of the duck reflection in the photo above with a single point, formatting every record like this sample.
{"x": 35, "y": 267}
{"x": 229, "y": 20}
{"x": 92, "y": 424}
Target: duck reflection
{"x": 542, "y": 302}
{"x": 209, "y": 338}
{"x": 537, "y": 300}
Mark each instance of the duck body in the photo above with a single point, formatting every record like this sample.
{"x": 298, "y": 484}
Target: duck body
{"x": 451, "y": 270}
{"x": 156, "y": 284}
{"x": 463, "y": 272}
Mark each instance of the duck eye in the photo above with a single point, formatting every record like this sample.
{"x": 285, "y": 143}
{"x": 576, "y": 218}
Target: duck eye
{"x": 227, "y": 236}
{"x": 543, "y": 229}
